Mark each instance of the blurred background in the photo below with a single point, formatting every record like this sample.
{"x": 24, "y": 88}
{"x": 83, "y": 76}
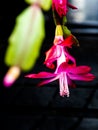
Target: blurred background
{"x": 27, "y": 107}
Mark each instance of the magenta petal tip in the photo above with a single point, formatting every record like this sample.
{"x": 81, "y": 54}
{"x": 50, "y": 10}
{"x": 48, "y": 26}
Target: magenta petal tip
{"x": 7, "y": 83}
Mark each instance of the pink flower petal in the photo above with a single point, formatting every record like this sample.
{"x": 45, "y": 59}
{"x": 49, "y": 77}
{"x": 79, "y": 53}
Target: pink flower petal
{"x": 50, "y": 65}
{"x": 60, "y": 6}
{"x": 68, "y": 41}
{"x": 48, "y": 81}
{"x": 80, "y": 70}
{"x": 76, "y": 73}
{"x": 86, "y": 77}
{"x": 62, "y": 68}
{"x": 41, "y": 75}
{"x": 52, "y": 55}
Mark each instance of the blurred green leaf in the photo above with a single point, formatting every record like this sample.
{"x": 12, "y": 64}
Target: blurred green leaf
{"x": 45, "y": 4}
{"x": 66, "y": 31}
{"x": 26, "y": 39}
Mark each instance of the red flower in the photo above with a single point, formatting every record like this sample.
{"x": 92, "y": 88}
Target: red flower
{"x": 59, "y": 51}
{"x": 65, "y": 73}
{"x": 60, "y": 6}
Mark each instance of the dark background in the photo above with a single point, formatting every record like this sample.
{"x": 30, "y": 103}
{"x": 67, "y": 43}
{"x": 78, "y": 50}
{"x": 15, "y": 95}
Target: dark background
{"x": 27, "y": 107}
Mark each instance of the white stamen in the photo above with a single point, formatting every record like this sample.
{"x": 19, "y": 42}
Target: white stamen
{"x": 64, "y": 90}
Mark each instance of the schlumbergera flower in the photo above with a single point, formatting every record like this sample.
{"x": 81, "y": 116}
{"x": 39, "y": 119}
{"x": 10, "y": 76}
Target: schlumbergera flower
{"x": 64, "y": 71}
{"x": 61, "y": 7}
{"x": 59, "y": 50}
